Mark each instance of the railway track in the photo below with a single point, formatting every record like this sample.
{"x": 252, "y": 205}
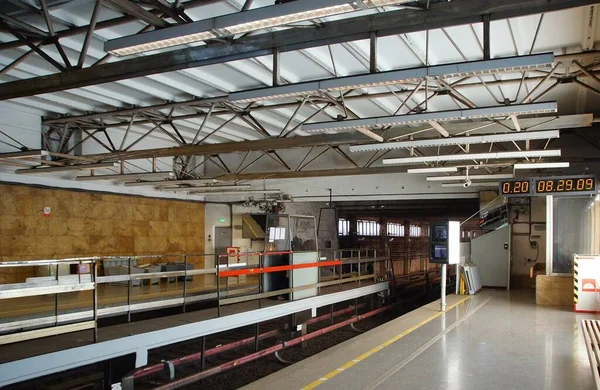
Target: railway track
{"x": 235, "y": 358}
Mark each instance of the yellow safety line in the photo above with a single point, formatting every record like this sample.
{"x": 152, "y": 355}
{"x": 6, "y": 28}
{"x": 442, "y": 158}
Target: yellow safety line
{"x": 377, "y": 348}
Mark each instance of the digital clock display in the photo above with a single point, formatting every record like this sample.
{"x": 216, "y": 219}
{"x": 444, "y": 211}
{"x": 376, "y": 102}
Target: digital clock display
{"x": 514, "y": 188}
{"x": 542, "y": 186}
{"x": 576, "y": 185}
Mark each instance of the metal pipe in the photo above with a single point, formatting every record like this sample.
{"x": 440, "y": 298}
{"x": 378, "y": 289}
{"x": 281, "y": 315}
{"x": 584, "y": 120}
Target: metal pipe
{"x": 260, "y": 280}
{"x": 443, "y": 281}
{"x": 56, "y": 300}
{"x": 256, "y": 335}
{"x": 95, "y": 265}
{"x": 218, "y": 263}
{"x": 203, "y": 354}
{"x": 185, "y": 263}
{"x": 129, "y": 284}
{"x": 265, "y": 352}
{"x": 156, "y": 368}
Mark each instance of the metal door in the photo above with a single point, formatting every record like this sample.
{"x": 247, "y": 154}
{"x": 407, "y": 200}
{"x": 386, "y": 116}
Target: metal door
{"x": 223, "y": 239}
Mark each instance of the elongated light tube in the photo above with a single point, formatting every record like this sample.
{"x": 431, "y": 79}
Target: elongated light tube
{"x": 434, "y": 170}
{"x": 79, "y": 167}
{"x": 236, "y": 23}
{"x": 127, "y": 176}
{"x": 554, "y": 165}
{"x": 473, "y": 156}
{"x": 24, "y": 154}
{"x": 240, "y": 192}
{"x": 176, "y": 40}
{"x": 208, "y": 188}
{"x": 166, "y": 183}
{"x": 473, "y": 177}
{"x": 381, "y": 3}
{"x": 457, "y": 185}
{"x": 445, "y": 116}
{"x": 470, "y": 140}
{"x": 275, "y": 21}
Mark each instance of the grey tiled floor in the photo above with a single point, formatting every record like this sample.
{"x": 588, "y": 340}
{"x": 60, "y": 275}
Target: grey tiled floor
{"x": 496, "y": 340}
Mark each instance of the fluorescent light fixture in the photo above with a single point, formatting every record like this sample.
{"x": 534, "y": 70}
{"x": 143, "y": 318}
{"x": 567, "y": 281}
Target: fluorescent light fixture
{"x": 433, "y": 170}
{"x": 203, "y": 188}
{"x": 470, "y": 140}
{"x": 127, "y": 176}
{"x": 283, "y": 91}
{"x": 286, "y": 13}
{"x": 542, "y": 165}
{"x": 166, "y": 183}
{"x": 25, "y": 154}
{"x": 379, "y": 79}
{"x": 461, "y": 185}
{"x": 240, "y": 192}
{"x": 503, "y": 65}
{"x": 474, "y": 177}
{"x": 80, "y": 167}
{"x": 162, "y": 39}
{"x": 473, "y": 156}
{"x": 381, "y": 3}
{"x": 374, "y": 79}
{"x": 447, "y": 116}
{"x": 236, "y": 23}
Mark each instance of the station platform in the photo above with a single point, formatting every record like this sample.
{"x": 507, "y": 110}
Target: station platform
{"x": 493, "y": 340}
{"x": 34, "y": 358}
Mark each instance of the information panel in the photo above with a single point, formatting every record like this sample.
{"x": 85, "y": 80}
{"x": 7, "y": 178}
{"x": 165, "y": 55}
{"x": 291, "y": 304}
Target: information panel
{"x": 445, "y": 242}
{"x": 574, "y": 185}
{"x": 543, "y": 186}
{"x": 516, "y": 187}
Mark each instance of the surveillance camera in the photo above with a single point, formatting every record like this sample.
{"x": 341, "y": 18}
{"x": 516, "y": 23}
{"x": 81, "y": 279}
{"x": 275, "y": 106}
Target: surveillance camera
{"x": 467, "y": 183}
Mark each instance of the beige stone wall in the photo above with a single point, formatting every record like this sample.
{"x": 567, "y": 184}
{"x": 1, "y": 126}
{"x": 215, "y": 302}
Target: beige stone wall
{"x": 87, "y": 224}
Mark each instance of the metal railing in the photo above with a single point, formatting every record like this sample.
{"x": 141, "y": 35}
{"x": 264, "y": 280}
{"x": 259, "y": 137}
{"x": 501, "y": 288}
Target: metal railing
{"x": 56, "y": 287}
{"x": 335, "y": 268}
{"x": 131, "y": 284}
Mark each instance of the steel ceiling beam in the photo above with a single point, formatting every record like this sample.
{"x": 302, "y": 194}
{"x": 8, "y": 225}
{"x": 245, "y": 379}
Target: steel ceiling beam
{"x": 204, "y": 104}
{"x": 304, "y": 174}
{"x": 310, "y": 142}
{"x": 138, "y": 12}
{"x": 232, "y": 147}
{"x": 107, "y": 23}
{"x": 345, "y": 30}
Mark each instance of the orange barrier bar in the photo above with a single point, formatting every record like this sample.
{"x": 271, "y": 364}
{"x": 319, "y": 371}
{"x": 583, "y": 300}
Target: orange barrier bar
{"x": 266, "y": 270}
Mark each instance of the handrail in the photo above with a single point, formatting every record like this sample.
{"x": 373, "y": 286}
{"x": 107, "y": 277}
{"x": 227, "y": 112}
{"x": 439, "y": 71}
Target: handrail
{"x": 34, "y": 263}
{"x": 31, "y": 291}
{"x": 180, "y": 293}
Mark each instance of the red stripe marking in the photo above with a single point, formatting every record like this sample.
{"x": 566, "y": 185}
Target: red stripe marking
{"x": 266, "y": 270}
